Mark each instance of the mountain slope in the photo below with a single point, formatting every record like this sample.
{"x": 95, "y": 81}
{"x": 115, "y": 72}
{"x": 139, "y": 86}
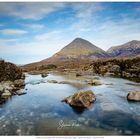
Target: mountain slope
{"x": 78, "y": 49}
{"x": 131, "y": 48}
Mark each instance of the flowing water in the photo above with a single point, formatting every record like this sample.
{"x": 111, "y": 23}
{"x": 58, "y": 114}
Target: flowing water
{"x": 41, "y": 112}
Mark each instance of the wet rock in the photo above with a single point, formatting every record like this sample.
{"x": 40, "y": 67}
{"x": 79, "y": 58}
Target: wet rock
{"x": 109, "y": 74}
{"x": 6, "y": 85}
{"x": 19, "y": 83}
{"x": 96, "y": 77}
{"x": 44, "y": 75}
{"x": 78, "y": 74}
{"x": 94, "y": 82}
{"x": 108, "y": 83}
{"x": 81, "y": 99}
{"x": 20, "y": 92}
{"x": 126, "y": 74}
{"x": 6, "y": 94}
{"x": 52, "y": 81}
{"x": 64, "y": 82}
{"x": 133, "y": 96}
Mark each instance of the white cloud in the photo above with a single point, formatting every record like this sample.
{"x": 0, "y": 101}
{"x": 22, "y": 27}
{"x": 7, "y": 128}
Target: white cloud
{"x": 86, "y": 10}
{"x": 13, "y": 32}
{"x": 115, "y": 33}
{"x": 29, "y": 10}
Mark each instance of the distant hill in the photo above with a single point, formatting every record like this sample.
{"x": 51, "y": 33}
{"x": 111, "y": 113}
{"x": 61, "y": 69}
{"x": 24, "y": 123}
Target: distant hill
{"x": 131, "y": 48}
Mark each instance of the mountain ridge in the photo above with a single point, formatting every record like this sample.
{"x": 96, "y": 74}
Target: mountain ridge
{"x": 82, "y": 50}
{"x": 127, "y": 49}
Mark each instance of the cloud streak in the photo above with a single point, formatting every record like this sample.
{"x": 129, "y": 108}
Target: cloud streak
{"x": 30, "y": 10}
{"x": 13, "y": 32}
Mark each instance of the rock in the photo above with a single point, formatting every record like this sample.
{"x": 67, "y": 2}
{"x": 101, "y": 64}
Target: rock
{"x": 64, "y": 82}
{"x": 133, "y": 96}
{"x": 19, "y": 83}
{"x": 6, "y": 85}
{"x": 78, "y": 74}
{"x": 96, "y": 77}
{"x": 81, "y": 99}
{"x": 20, "y": 92}
{"x": 6, "y": 94}
{"x": 44, "y": 74}
{"x": 94, "y": 82}
{"x": 126, "y": 74}
{"x": 115, "y": 69}
{"x": 9, "y": 71}
{"x": 52, "y": 81}
{"x": 109, "y": 74}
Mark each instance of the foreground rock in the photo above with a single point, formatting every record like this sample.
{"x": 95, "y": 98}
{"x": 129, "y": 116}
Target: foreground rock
{"x": 133, "y": 96}
{"x": 94, "y": 82}
{"x": 81, "y": 99}
{"x": 19, "y": 84}
{"x": 11, "y": 80}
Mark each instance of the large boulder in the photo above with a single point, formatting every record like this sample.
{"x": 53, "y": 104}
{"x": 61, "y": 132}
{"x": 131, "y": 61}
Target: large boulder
{"x": 133, "y": 96}
{"x": 9, "y": 71}
{"x": 81, "y": 99}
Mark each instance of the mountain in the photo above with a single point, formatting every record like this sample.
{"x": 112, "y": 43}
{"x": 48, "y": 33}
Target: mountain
{"x": 78, "y": 49}
{"x": 80, "y": 52}
{"x": 131, "y": 48}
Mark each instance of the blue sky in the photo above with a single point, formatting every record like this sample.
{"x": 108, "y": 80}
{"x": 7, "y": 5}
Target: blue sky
{"x": 31, "y": 32}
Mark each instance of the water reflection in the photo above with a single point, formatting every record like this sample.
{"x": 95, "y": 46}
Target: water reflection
{"x": 78, "y": 110}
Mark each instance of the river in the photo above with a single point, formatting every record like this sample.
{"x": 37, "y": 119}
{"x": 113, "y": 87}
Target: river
{"x": 41, "y": 112}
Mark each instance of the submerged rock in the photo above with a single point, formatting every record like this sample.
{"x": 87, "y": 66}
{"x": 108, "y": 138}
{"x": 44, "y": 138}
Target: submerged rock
{"x": 20, "y": 92}
{"x": 64, "y": 82}
{"x": 133, "y": 96}
{"x": 52, "y": 81}
{"x": 81, "y": 99}
{"x": 94, "y": 82}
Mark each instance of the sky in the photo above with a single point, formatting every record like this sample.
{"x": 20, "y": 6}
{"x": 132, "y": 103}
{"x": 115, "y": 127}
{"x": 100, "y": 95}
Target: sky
{"x": 33, "y": 31}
